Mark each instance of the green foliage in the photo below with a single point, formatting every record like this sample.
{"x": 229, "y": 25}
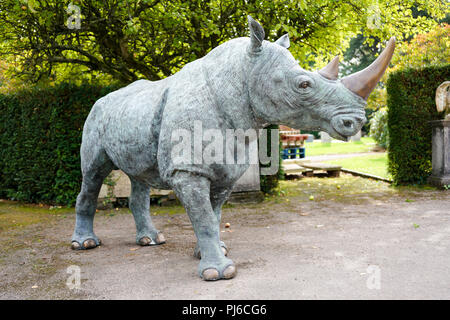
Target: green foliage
{"x": 379, "y": 128}
{"x": 428, "y": 49}
{"x": 131, "y": 39}
{"x": 363, "y": 49}
{"x": 40, "y": 136}
{"x": 411, "y": 105}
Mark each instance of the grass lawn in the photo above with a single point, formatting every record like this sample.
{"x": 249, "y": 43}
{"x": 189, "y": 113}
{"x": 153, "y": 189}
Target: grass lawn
{"x": 373, "y": 164}
{"x": 317, "y": 148}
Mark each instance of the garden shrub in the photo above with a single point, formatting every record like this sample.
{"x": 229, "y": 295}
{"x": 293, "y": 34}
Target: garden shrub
{"x": 411, "y": 106}
{"x": 379, "y": 128}
{"x": 40, "y": 137}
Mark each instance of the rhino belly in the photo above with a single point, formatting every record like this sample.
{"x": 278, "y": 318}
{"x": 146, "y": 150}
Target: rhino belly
{"x": 130, "y": 128}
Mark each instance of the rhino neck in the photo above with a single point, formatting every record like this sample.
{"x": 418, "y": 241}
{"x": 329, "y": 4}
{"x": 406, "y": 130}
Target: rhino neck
{"x": 226, "y": 69}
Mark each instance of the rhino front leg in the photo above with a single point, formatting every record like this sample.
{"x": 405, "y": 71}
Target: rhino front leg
{"x": 146, "y": 233}
{"x": 218, "y": 198}
{"x": 194, "y": 193}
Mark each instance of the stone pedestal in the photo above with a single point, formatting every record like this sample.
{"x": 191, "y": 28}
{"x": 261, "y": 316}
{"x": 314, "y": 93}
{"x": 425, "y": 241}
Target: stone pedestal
{"x": 246, "y": 189}
{"x": 356, "y": 137}
{"x": 441, "y": 153}
{"x": 325, "y": 137}
{"x": 249, "y": 180}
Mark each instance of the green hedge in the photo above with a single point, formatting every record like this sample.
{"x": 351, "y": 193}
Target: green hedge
{"x": 411, "y": 105}
{"x": 40, "y": 136}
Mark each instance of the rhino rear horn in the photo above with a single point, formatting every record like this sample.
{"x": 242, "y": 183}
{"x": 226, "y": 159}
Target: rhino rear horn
{"x": 257, "y": 35}
{"x": 363, "y": 82}
{"x": 331, "y": 70}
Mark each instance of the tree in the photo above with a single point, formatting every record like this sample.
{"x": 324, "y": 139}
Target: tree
{"x": 428, "y": 49}
{"x": 130, "y": 39}
{"x": 363, "y": 49}
{"x": 424, "y": 50}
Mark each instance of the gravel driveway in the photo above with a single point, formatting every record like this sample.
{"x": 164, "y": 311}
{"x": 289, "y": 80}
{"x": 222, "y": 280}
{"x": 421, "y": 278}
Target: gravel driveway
{"x": 361, "y": 245}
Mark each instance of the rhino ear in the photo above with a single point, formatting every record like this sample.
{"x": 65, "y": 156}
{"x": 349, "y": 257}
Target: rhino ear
{"x": 284, "y": 41}
{"x": 256, "y": 35}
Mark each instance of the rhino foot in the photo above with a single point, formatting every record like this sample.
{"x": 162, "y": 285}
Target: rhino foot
{"x": 198, "y": 254}
{"x": 209, "y": 272}
{"x": 149, "y": 241}
{"x": 89, "y": 243}
{"x": 213, "y": 275}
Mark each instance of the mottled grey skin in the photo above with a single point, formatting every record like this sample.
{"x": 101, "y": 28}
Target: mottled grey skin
{"x": 244, "y": 83}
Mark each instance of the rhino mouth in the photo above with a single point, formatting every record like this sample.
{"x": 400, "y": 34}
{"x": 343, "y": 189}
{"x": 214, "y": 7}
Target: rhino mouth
{"x": 338, "y": 136}
{"x": 345, "y": 125}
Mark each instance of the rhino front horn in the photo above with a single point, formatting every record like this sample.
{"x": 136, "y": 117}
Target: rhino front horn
{"x": 363, "y": 82}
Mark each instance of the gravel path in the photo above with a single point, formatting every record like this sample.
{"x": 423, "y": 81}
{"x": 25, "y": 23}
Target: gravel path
{"x": 370, "y": 246}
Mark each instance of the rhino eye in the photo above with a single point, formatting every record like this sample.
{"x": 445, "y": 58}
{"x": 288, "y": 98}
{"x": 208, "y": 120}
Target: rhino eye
{"x": 305, "y": 84}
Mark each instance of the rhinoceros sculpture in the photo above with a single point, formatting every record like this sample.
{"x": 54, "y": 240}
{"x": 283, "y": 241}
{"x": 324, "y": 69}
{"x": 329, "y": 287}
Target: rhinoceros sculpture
{"x": 242, "y": 84}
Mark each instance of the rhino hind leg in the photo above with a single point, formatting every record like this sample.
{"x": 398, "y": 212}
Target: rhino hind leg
{"x": 146, "y": 233}
{"x": 96, "y": 167}
{"x": 194, "y": 193}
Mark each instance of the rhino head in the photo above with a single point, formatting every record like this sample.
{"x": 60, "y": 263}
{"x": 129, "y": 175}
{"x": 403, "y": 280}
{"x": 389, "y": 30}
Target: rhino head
{"x": 281, "y": 92}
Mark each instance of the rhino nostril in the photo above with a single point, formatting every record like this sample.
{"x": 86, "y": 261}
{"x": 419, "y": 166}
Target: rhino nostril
{"x": 347, "y": 123}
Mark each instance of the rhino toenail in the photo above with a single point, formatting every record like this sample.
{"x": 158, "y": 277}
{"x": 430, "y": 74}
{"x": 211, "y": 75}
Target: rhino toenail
{"x": 75, "y": 245}
{"x": 89, "y": 244}
{"x": 229, "y": 272}
{"x": 210, "y": 274}
{"x": 145, "y": 241}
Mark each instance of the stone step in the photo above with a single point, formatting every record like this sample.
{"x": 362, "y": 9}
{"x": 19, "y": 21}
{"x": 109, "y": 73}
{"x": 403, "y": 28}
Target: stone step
{"x": 331, "y": 169}
{"x": 293, "y": 168}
